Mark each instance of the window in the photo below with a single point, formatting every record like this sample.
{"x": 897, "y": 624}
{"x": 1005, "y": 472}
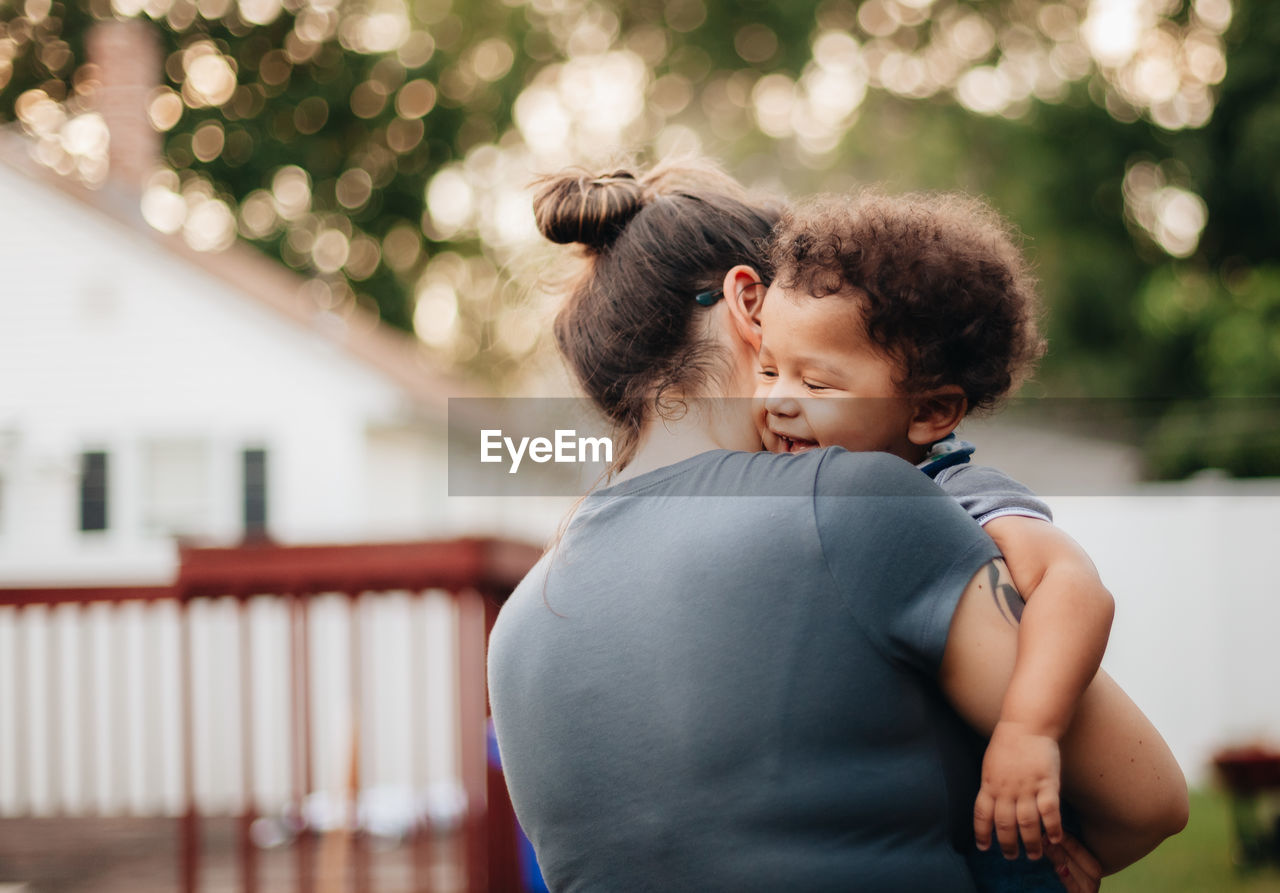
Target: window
{"x": 255, "y": 492}
{"x": 93, "y": 491}
{"x": 176, "y": 496}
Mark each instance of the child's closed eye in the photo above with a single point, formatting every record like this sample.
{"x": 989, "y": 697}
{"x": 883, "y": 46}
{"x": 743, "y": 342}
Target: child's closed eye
{"x": 816, "y": 387}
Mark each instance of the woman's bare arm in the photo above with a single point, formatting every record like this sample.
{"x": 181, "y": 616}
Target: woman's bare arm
{"x": 1117, "y": 771}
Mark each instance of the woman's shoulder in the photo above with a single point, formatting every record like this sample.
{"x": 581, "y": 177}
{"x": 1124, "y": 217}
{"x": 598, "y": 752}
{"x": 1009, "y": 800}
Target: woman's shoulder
{"x": 794, "y": 474}
{"x": 894, "y": 497}
{"x": 829, "y": 471}
{"x": 719, "y": 473}
{"x": 826, "y": 471}
{"x": 869, "y": 474}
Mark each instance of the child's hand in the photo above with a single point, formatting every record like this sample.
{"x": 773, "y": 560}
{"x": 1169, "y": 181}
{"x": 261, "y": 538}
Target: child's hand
{"x": 1021, "y": 774}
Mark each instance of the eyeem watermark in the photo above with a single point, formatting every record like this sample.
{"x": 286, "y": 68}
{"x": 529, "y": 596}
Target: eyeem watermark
{"x": 564, "y": 446}
{"x": 527, "y": 446}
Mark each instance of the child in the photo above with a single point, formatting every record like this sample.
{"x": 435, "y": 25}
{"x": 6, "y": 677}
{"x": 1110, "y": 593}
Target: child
{"x": 888, "y": 320}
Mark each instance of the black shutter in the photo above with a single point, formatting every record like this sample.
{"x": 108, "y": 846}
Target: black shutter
{"x": 93, "y": 491}
{"x": 255, "y": 492}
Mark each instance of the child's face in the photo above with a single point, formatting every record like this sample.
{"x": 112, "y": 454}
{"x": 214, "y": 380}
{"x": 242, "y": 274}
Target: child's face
{"x": 822, "y": 383}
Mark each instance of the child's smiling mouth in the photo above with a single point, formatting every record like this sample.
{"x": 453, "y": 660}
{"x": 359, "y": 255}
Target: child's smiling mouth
{"x": 793, "y": 444}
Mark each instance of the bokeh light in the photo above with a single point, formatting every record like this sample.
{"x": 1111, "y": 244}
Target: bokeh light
{"x": 756, "y": 43}
{"x": 165, "y": 109}
{"x": 401, "y": 247}
{"x": 365, "y": 140}
{"x": 209, "y": 225}
{"x": 291, "y": 188}
{"x": 416, "y": 99}
{"x": 363, "y": 256}
{"x": 435, "y": 313}
{"x": 258, "y": 217}
{"x": 1172, "y": 215}
{"x": 403, "y": 135}
{"x": 260, "y": 12}
{"x": 449, "y": 202}
{"x": 354, "y": 188}
{"x": 310, "y": 115}
{"x": 330, "y": 250}
{"x": 491, "y": 59}
{"x": 208, "y": 140}
{"x": 368, "y": 99}
{"x": 86, "y": 135}
{"x": 163, "y": 206}
{"x": 210, "y": 77}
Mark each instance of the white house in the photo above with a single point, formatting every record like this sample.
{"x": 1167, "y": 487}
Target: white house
{"x": 148, "y": 390}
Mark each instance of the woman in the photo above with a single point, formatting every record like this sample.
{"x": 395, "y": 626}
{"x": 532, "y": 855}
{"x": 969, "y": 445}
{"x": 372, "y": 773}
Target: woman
{"x": 722, "y": 679}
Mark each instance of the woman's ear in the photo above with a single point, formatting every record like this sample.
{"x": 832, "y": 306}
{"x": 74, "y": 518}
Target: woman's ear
{"x": 744, "y": 293}
{"x": 937, "y": 413}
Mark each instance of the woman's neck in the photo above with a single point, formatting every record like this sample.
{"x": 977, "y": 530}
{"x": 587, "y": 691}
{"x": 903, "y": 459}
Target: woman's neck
{"x": 706, "y": 425}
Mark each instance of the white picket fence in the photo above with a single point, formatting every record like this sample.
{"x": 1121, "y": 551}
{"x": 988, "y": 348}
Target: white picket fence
{"x": 91, "y": 705}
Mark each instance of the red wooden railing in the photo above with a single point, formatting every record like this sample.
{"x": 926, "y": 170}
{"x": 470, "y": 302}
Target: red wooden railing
{"x": 476, "y": 573}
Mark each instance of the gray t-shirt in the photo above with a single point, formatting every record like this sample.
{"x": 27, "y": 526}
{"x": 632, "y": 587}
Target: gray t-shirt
{"x": 704, "y": 690}
{"x": 988, "y": 493}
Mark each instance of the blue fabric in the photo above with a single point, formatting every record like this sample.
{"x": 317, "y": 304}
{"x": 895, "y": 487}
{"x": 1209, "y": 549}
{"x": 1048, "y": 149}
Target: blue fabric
{"x": 530, "y": 874}
{"x": 946, "y": 453}
{"x": 996, "y": 874}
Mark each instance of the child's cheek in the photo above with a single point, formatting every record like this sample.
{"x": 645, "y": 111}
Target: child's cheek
{"x": 759, "y": 416}
{"x": 758, "y": 412}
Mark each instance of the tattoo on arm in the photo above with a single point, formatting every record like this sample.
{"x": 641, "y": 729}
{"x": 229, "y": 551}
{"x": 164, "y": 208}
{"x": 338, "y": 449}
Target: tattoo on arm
{"x": 1005, "y": 594}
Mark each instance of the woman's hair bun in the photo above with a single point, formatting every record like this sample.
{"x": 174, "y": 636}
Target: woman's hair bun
{"x": 586, "y": 209}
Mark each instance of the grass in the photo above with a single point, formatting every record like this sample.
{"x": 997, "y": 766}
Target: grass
{"x": 1199, "y": 860}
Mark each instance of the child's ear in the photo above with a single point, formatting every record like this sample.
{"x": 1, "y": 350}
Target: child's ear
{"x": 937, "y": 414}
{"x": 744, "y": 293}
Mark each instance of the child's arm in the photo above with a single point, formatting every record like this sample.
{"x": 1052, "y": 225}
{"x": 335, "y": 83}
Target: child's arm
{"x": 1117, "y": 771}
{"x": 1063, "y": 633}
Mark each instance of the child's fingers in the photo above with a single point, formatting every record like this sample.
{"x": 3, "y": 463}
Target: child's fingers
{"x": 1050, "y": 814}
{"x": 1029, "y": 826}
{"x": 1007, "y": 828}
{"x": 983, "y": 816}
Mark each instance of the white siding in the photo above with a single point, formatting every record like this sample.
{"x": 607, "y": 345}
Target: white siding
{"x": 107, "y": 341}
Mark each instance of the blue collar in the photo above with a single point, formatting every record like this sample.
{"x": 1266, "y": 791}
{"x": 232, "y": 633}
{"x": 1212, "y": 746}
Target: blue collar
{"x": 947, "y": 452}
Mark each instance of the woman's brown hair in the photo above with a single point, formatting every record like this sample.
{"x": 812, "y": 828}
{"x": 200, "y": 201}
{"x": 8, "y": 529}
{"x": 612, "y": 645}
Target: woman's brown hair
{"x": 652, "y": 242}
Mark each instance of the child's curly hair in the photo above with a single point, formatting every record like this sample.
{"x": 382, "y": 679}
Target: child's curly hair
{"x": 945, "y": 291}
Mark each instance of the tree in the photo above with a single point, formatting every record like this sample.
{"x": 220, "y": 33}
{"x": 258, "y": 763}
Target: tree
{"x": 385, "y": 149}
